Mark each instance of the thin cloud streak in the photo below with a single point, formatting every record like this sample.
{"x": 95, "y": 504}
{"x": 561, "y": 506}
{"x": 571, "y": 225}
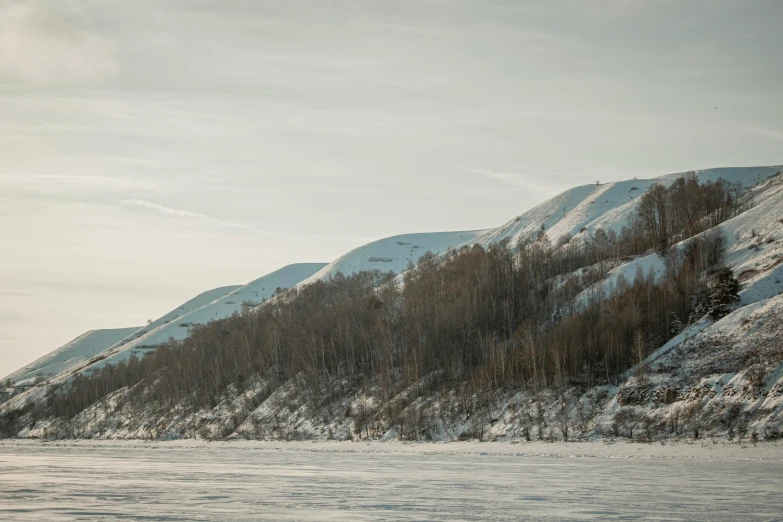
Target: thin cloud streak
{"x": 188, "y": 214}
{"x": 82, "y": 181}
{"x": 513, "y": 179}
{"x": 762, "y": 132}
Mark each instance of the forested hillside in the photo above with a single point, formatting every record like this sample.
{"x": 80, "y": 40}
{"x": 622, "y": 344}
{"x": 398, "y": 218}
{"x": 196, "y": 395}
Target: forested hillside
{"x": 539, "y": 337}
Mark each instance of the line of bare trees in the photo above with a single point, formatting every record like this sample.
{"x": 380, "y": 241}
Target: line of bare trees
{"x": 666, "y": 215}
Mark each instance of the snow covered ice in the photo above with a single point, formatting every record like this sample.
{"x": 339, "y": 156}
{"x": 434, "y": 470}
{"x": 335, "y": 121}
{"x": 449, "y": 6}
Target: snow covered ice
{"x": 244, "y": 480}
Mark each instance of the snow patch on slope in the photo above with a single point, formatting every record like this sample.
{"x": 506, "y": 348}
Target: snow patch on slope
{"x": 653, "y": 265}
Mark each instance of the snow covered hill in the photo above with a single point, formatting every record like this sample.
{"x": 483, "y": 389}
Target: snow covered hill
{"x": 92, "y": 343}
{"x": 224, "y": 305}
{"x": 577, "y": 211}
{"x": 197, "y": 302}
{"x": 581, "y": 210}
{"x": 754, "y": 252}
{"x": 79, "y": 350}
{"x": 97, "y": 348}
{"x": 754, "y": 247}
{"x": 393, "y": 254}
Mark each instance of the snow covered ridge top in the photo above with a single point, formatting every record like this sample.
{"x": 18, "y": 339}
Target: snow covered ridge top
{"x": 75, "y": 352}
{"x": 97, "y": 348}
{"x": 578, "y": 210}
{"x": 221, "y": 307}
{"x": 393, "y": 254}
{"x": 91, "y": 344}
{"x": 609, "y": 206}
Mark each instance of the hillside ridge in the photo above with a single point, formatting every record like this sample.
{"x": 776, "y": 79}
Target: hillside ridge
{"x": 753, "y": 250}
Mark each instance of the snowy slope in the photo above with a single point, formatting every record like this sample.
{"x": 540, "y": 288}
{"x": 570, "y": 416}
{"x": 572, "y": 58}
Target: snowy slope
{"x": 394, "y": 253}
{"x": 197, "y": 302}
{"x": 224, "y": 305}
{"x": 92, "y": 343}
{"x": 77, "y": 351}
{"x": 175, "y": 324}
{"x": 754, "y": 249}
{"x": 706, "y": 356}
{"x": 588, "y": 207}
{"x": 608, "y": 206}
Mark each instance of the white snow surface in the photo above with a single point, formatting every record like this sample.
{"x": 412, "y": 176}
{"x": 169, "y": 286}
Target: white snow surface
{"x": 754, "y": 242}
{"x": 94, "y": 342}
{"x": 77, "y": 351}
{"x": 388, "y": 481}
{"x": 196, "y": 303}
{"x": 581, "y": 210}
{"x": 393, "y": 254}
{"x": 577, "y": 211}
{"x": 224, "y": 305}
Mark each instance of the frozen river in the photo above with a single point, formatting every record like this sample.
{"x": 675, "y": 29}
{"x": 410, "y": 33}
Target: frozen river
{"x": 353, "y": 481}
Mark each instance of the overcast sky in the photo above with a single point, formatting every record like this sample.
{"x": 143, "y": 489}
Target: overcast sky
{"x": 153, "y": 149}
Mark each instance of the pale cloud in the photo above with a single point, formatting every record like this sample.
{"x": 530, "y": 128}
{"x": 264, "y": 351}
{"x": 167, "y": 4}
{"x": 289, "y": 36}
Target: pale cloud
{"x": 516, "y": 179}
{"x": 761, "y": 132}
{"x": 37, "y": 46}
{"x": 617, "y": 7}
{"x": 188, "y": 214}
{"x": 695, "y": 73}
{"x": 82, "y": 183}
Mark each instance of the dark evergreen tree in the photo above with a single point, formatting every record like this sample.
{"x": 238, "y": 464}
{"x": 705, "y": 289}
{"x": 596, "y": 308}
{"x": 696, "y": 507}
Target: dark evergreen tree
{"x": 723, "y": 293}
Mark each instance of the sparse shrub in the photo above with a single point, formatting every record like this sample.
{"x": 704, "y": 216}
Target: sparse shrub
{"x": 625, "y": 422}
{"x": 650, "y": 426}
{"x": 771, "y": 433}
{"x": 692, "y": 417}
